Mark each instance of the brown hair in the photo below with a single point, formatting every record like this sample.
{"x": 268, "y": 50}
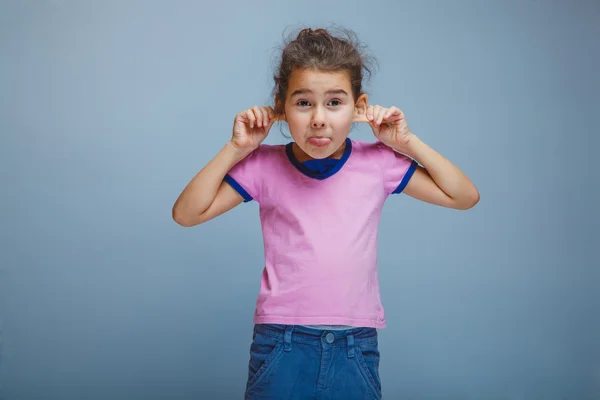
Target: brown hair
{"x": 319, "y": 49}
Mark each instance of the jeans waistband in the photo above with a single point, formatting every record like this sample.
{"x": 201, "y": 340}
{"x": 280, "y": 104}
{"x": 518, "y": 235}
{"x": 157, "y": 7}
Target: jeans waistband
{"x": 303, "y": 334}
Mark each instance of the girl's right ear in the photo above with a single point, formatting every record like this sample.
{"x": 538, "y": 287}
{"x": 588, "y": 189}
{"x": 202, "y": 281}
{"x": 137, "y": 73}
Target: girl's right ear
{"x": 280, "y": 116}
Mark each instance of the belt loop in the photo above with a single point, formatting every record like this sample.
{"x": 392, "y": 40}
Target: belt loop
{"x": 287, "y": 338}
{"x": 350, "y": 340}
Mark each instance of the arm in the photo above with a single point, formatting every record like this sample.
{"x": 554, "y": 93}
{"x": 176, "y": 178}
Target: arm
{"x": 440, "y": 182}
{"x": 207, "y": 195}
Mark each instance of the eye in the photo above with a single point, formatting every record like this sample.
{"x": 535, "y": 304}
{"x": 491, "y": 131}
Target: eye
{"x": 302, "y": 103}
{"x": 339, "y": 102}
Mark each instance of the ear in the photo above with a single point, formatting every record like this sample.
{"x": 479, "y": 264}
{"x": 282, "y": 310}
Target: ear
{"x": 360, "y": 108}
{"x": 278, "y": 104}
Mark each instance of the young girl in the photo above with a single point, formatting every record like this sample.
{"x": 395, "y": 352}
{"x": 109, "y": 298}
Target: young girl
{"x": 320, "y": 196}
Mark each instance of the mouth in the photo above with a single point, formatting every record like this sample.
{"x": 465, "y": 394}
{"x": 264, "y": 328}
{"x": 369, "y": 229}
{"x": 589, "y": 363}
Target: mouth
{"x": 319, "y": 141}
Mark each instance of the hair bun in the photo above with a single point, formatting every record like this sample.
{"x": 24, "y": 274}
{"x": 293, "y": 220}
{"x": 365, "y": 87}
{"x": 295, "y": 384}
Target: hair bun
{"x": 308, "y": 32}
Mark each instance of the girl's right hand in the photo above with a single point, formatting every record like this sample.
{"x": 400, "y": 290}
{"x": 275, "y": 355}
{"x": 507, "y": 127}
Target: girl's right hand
{"x": 251, "y": 127}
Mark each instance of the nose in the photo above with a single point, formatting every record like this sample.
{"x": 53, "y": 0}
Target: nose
{"x": 318, "y": 119}
{"x": 317, "y": 124}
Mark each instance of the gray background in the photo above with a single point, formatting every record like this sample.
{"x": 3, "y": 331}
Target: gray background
{"x": 109, "y": 108}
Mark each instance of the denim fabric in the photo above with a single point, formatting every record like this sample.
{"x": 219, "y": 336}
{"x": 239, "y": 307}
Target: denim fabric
{"x": 297, "y": 362}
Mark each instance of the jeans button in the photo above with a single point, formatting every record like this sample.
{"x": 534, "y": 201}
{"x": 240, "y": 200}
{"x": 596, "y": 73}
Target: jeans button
{"x": 330, "y": 337}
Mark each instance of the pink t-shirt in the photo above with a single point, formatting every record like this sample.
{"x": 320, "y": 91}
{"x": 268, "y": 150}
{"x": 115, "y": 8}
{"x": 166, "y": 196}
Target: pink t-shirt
{"x": 320, "y": 233}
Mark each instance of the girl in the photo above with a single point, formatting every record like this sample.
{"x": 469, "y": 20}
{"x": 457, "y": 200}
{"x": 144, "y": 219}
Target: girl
{"x": 320, "y": 196}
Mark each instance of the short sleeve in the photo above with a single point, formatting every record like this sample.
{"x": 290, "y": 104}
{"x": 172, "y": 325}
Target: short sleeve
{"x": 397, "y": 169}
{"x": 244, "y": 177}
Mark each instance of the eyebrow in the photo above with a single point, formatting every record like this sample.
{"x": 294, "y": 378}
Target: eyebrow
{"x": 329, "y": 92}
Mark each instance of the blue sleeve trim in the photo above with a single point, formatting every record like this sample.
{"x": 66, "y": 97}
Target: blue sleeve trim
{"x": 238, "y": 188}
{"x": 407, "y": 176}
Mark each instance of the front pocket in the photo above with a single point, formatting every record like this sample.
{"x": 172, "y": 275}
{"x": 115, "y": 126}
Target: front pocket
{"x": 264, "y": 350}
{"x": 367, "y": 357}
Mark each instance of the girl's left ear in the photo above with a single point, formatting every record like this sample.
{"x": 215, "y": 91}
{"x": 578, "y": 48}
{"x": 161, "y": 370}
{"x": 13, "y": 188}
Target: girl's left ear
{"x": 360, "y": 108}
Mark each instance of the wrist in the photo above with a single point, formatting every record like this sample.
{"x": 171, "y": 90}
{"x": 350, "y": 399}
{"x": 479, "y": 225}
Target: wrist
{"x": 236, "y": 154}
{"x": 411, "y": 146}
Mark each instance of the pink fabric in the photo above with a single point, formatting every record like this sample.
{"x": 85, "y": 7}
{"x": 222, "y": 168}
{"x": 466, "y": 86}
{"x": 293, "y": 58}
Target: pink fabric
{"x": 320, "y": 236}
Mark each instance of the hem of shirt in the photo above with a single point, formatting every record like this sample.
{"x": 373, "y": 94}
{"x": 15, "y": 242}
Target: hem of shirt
{"x": 238, "y": 188}
{"x": 283, "y": 320}
{"x": 331, "y": 327}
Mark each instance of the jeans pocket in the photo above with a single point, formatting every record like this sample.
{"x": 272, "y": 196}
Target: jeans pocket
{"x": 264, "y": 351}
{"x": 367, "y": 358}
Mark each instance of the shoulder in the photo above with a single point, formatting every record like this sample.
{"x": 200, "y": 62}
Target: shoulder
{"x": 266, "y": 153}
{"x": 371, "y": 151}
{"x": 270, "y": 150}
{"x": 368, "y": 147}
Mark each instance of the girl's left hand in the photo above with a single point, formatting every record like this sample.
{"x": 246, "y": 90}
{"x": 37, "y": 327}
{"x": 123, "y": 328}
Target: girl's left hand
{"x": 390, "y": 127}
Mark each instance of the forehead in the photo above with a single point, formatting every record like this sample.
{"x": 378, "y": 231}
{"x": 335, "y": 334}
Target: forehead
{"x": 319, "y": 81}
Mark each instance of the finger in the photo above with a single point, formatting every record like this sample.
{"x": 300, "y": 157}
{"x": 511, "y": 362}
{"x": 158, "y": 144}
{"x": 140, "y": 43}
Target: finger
{"x": 388, "y": 113}
{"x": 391, "y": 114}
{"x": 241, "y": 117}
{"x": 380, "y": 113}
{"x": 251, "y": 118}
{"x": 265, "y": 116}
{"x": 258, "y": 115}
{"x": 360, "y": 118}
{"x": 269, "y": 118}
{"x": 370, "y": 113}
{"x": 261, "y": 116}
{"x": 376, "y": 109}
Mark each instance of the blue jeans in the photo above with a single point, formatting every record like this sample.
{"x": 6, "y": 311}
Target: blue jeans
{"x": 296, "y": 362}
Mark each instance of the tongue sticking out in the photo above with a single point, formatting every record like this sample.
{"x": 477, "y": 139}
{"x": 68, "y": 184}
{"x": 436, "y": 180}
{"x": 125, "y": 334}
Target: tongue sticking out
{"x": 319, "y": 141}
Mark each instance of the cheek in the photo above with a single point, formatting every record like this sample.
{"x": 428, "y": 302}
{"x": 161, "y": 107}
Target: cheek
{"x": 341, "y": 121}
{"x": 296, "y": 128}
{"x": 297, "y": 122}
{"x": 293, "y": 123}
{"x": 343, "y": 116}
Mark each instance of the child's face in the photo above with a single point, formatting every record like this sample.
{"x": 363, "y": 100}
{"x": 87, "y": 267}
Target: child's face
{"x": 319, "y": 110}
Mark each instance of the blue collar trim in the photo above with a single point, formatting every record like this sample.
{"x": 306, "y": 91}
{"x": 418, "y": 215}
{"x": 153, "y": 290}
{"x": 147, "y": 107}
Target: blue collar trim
{"x": 319, "y": 169}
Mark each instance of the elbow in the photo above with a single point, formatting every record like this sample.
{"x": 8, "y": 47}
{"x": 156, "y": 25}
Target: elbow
{"x": 469, "y": 201}
{"x": 184, "y": 223}
{"x": 181, "y": 219}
